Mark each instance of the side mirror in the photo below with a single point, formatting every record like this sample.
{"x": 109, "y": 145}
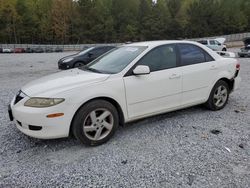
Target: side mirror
{"x": 219, "y": 44}
{"x": 141, "y": 70}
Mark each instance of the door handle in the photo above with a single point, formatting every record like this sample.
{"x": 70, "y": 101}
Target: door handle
{"x": 213, "y": 67}
{"x": 174, "y": 76}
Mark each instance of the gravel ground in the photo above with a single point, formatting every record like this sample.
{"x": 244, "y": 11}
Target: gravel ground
{"x": 171, "y": 150}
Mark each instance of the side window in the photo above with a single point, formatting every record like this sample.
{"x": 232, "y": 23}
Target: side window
{"x": 216, "y": 42}
{"x": 106, "y": 49}
{"x": 208, "y": 57}
{"x": 96, "y": 52}
{"x": 212, "y": 42}
{"x": 160, "y": 58}
{"x": 191, "y": 54}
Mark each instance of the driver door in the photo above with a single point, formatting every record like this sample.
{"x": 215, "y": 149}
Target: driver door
{"x": 158, "y": 91}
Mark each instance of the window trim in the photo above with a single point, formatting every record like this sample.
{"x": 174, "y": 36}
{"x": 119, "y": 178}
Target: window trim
{"x": 204, "y": 42}
{"x": 202, "y": 50}
{"x": 130, "y": 71}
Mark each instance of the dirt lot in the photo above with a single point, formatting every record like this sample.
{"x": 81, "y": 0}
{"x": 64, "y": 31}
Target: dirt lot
{"x": 172, "y": 150}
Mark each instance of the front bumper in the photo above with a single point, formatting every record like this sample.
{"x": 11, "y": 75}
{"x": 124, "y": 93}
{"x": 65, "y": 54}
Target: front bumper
{"x": 33, "y": 121}
{"x": 64, "y": 66}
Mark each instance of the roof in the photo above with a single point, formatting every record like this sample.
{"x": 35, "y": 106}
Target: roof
{"x": 152, "y": 44}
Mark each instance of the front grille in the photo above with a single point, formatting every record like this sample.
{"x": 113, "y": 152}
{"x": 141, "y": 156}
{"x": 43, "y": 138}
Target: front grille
{"x": 20, "y": 95}
{"x": 18, "y": 99}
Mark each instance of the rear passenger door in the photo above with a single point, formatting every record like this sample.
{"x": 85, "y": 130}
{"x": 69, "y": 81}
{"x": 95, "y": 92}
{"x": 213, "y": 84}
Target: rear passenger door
{"x": 198, "y": 70}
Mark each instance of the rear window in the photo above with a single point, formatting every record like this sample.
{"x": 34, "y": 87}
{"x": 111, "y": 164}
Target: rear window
{"x": 192, "y": 54}
{"x": 204, "y": 42}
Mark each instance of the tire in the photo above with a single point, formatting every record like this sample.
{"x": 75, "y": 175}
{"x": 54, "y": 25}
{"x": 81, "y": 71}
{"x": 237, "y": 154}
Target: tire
{"x": 224, "y": 49}
{"x": 214, "y": 98}
{"x": 78, "y": 64}
{"x": 95, "y": 122}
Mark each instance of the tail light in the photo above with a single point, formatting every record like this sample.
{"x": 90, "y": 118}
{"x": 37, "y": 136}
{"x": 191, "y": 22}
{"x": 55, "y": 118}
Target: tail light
{"x": 237, "y": 69}
{"x": 238, "y": 66}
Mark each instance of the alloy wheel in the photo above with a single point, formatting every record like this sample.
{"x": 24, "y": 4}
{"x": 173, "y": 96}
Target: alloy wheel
{"x": 220, "y": 96}
{"x": 98, "y": 124}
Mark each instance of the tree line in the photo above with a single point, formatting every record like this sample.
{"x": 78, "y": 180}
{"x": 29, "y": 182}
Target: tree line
{"x": 107, "y": 21}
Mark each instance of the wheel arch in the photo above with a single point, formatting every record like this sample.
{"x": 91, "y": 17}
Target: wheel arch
{"x": 78, "y": 61}
{"x": 109, "y": 99}
{"x": 230, "y": 83}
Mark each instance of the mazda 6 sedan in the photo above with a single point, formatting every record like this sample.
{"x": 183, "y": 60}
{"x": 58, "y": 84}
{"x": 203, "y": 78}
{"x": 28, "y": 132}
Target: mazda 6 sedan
{"x": 131, "y": 82}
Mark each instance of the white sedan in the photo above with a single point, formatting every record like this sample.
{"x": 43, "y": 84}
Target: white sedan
{"x": 131, "y": 82}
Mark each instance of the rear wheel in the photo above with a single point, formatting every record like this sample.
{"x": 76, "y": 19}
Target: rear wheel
{"x": 219, "y": 96}
{"x": 224, "y": 49}
{"x": 95, "y": 123}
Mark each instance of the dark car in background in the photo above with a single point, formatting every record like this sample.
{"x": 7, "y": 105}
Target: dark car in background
{"x": 245, "y": 52}
{"x": 49, "y": 50}
{"x": 58, "y": 49}
{"x": 29, "y": 50}
{"x": 1, "y": 50}
{"x": 38, "y": 50}
{"x": 83, "y": 58}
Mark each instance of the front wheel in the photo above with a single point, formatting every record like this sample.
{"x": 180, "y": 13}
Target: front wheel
{"x": 219, "y": 96}
{"x": 78, "y": 64}
{"x": 95, "y": 123}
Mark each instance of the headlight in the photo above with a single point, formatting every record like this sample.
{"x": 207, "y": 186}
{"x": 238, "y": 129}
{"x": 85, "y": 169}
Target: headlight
{"x": 67, "y": 60}
{"x": 42, "y": 102}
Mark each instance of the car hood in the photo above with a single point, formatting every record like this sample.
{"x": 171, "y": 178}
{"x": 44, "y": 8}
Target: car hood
{"x": 221, "y": 40}
{"x": 70, "y": 56}
{"x": 50, "y": 85}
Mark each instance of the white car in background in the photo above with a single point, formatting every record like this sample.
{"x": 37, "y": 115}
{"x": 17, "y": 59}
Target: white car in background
{"x": 214, "y": 44}
{"x": 7, "y": 50}
{"x": 131, "y": 82}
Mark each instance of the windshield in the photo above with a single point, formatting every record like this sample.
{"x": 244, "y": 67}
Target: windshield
{"x": 116, "y": 60}
{"x": 85, "y": 51}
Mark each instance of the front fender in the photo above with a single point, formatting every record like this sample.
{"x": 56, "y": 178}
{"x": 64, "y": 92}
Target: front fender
{"x": 81, "y": 95}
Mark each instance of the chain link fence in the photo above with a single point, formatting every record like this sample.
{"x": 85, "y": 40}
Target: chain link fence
{"x": 70, "y": 47}
{"x": 231, "y": 40}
